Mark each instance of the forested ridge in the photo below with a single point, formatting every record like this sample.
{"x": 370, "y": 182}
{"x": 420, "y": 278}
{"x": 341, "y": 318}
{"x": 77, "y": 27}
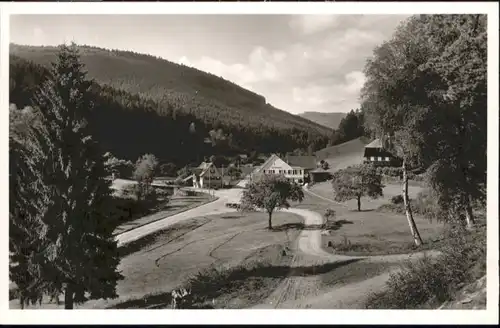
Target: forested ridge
{"x": 330, "y": 120}
{"x": 146, "y": 104}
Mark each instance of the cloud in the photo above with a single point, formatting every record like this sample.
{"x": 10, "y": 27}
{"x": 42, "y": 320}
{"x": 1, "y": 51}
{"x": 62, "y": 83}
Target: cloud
{"x": 321, "y": 71}
{"x": 259, "y": 66}
{"x": 338, "y": 97}
{"x": 310, "y": 24}
{"x": 38, "y": 36}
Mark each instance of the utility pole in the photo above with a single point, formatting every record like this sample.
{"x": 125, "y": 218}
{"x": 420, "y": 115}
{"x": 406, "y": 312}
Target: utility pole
{"x": 222, "y": 176}
{"x": 209, "y": 179}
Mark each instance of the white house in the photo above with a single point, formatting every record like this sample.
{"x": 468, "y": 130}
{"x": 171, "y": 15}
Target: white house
{"x": 206, "y": 174}
{"x": 275, "y": 165}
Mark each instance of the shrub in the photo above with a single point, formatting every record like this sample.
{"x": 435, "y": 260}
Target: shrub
{"x": 432, "y": 281}
{"x": 394, "y": 208}
{"x": 329, "y": 214}
{"x": 397, "y": 199}
{"x": 168, "y": 169}
{"x": 426, "y": 204}
{"x": 215, "y": 280}
{"x": 162, "y": 194}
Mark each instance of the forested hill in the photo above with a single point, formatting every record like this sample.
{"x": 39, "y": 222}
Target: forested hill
{"x": 330, "y": 120}
{"x": 190, "y": 90}
{"x": 130, "y": 125}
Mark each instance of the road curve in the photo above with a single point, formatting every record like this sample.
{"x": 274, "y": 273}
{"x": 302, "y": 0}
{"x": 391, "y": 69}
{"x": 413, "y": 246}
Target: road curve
{"x": 303, "y": 292}
{"x": 294, "y": 292}
{"x": 309, "y": 242}
{"x": 215, "y": 207}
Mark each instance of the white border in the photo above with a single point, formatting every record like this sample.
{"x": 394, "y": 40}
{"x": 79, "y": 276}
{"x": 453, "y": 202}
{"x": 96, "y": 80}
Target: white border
{"x": 261, "y": 316}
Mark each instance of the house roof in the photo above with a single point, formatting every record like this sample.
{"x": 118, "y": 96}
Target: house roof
{"x": 246, "y": 169}
{"x": 375, "y": 144}
{"x": 269, "y": 160}
{"x": 305, "y": 162}
{"x": 187, "y": 178}
{"x": 202, "y": 169}
{"x": 204, "y": 165}
{"x": 320, "y": 170}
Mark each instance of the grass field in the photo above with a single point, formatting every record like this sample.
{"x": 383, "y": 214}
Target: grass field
{"x": 390, "y": 190}
{"x": 166, "y": 260}
{"x": 344, "y": 155}
{"x": 369, "y": 232}
{"x": 239, "y": 262}
{"x": 176, "y": 204}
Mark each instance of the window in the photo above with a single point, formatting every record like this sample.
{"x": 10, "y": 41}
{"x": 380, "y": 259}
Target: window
{"x": 372, "y": 159}
{"x": 387, "y": 159}
{"x": 289, "y": 171}
{"x": 380, "y": 159}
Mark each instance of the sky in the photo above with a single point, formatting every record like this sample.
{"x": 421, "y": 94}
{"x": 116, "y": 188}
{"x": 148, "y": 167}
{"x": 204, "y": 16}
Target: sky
{"x": 298, "y": 62}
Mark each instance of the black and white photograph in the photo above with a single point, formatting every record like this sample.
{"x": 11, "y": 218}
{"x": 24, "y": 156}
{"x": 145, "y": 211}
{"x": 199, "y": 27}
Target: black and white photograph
{"x": 251, "y": 161}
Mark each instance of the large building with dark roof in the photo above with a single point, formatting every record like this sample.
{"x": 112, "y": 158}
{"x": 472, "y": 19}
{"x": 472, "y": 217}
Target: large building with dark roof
{"x": 376, "y": 154}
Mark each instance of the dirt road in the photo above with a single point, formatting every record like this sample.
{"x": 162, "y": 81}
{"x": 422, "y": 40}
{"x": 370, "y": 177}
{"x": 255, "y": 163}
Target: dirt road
{"x": 295, "y": 291}
{"x": 304, "y": 291}
{"x": 215, "y": 207}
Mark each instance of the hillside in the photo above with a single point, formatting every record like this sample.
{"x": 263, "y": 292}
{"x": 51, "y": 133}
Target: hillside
{"x": 330, "y": 120}
{"x": 187, "y": 89}
{"x": 131, "y": 120}
{"x": 344, "y": 155}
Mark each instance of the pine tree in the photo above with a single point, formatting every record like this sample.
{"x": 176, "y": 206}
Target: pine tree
{"x": 28, "y": 201}
{"x": 79, "y": 253}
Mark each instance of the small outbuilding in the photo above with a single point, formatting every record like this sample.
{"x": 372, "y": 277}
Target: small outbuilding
{"x": 319, "y": 175}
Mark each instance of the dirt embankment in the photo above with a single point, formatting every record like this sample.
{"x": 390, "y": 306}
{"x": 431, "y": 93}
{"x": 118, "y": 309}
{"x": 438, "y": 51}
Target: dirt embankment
{"x": 472, "y": 296}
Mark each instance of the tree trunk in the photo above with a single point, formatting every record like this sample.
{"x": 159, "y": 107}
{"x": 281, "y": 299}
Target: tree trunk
{"x": 469, "y": 216}
{"x": 68, "y": 297}
{"x": 270, "y": 225}
{"x": 359, "y": 203}
{"x": 409, "y": 215}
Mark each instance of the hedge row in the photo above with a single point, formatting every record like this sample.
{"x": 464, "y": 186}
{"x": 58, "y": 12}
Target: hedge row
{"x": 397, "y": 172}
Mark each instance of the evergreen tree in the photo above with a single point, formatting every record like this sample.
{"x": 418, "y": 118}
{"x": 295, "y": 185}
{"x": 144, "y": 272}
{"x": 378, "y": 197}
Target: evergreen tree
{"x": 78, "y": 253}
{"x": 29, "y": 198}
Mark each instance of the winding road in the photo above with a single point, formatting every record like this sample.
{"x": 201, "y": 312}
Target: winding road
{"x": 216, "y": 207}
{"x": 303, "y": 291}
{"x": 294, "y": 291}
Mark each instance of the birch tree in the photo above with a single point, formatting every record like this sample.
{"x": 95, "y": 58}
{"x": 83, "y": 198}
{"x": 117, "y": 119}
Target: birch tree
{"x": 425, "y": 95}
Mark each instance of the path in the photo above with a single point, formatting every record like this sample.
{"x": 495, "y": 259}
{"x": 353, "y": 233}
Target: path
{"x": 294, "y": 291}
{"x": 303, "y": 291}
{"x": 215, "y": 207}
